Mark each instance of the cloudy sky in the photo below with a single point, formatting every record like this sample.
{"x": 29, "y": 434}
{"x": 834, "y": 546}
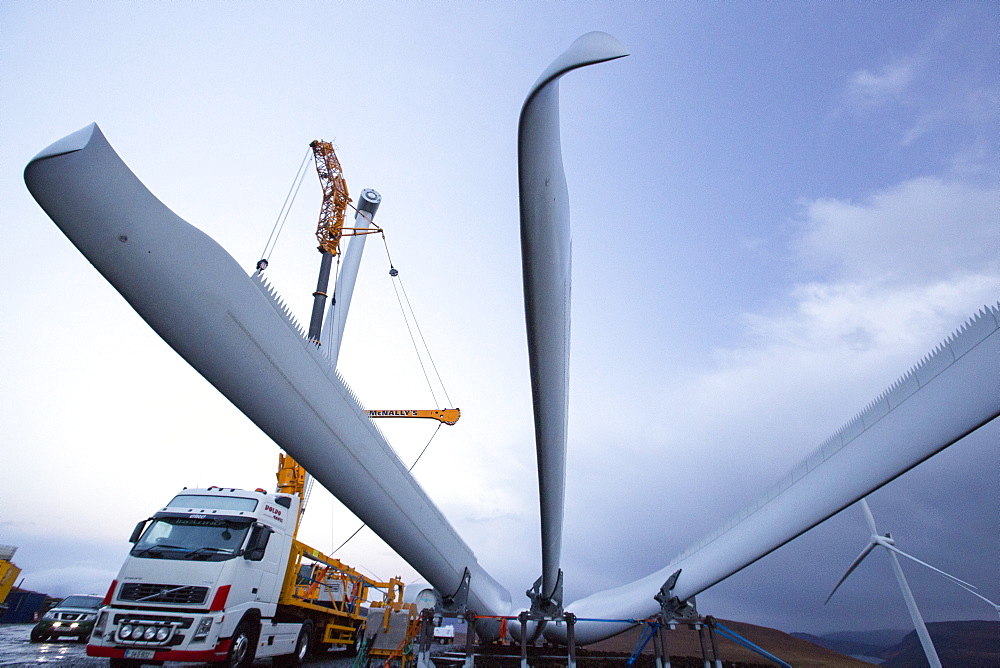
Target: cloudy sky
{"x": 778, "y": 209}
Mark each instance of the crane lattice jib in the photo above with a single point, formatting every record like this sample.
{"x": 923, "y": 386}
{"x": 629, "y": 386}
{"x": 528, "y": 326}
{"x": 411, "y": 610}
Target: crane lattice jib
{"x": 335, "y": 197}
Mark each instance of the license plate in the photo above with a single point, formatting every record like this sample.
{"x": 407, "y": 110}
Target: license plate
{"x": 139, "y": 653}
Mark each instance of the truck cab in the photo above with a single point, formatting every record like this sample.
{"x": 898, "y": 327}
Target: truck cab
{"x": 202, "y": 581}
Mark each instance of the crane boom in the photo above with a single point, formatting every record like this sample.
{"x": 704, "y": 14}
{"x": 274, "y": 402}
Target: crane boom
{"x": 335, "y": 197}
{"x": 330, "y": 229}
{"x": 446, "y": 415}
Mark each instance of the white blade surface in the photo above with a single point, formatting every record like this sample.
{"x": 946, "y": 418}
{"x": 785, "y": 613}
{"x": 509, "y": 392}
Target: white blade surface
{"x": 232, "y": 329}
{"x": 850, "y": 569}
{"x": 545, "y": 251}
{"x": 961, "y": 583}
{"x": 951, "y": 393}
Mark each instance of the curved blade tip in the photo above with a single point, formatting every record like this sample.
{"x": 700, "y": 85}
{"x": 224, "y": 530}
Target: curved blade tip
{"x": 72, "y": 142}
{"x": 599, "y": 45}
{"x": 588, "y": 49}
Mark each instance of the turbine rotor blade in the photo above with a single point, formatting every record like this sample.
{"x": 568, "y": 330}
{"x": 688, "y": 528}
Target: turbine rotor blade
{"x": 869, "y": 517}
{"x": 545, "y": 251}
{"x": 850, "y": 569}
{"x": 957, "y": 581}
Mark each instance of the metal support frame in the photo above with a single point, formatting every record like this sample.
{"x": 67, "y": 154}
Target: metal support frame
{"x": 456, "y": 604}
{"x": 674, "y": 611}
{"x": 710, "y": 623}
{"x": 570, "y": 619}
{"x": 470, "y": 639}
{"x": 522, "y": 618}
{"x": 546, "y": 607}
{"x": 426, "y": 637}
{"x": 704, "y": 647}
{"x": 660, "y": 648}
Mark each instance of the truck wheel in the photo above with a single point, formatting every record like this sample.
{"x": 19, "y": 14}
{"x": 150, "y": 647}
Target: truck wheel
{"x": 37, "y": 636}
{"x": 355, "y": 647}
{"x": 243, "y": 646}
{"x": 302, "y": 646}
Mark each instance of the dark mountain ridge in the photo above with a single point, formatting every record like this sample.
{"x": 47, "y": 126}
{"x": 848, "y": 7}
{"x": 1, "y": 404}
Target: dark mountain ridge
{"x": 964, "y": 643}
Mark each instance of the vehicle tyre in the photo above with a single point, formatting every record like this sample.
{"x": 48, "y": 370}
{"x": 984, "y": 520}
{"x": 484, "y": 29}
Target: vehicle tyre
{"x": 303, "y": 645}
{"x": 243, "y": 645}
{"x": 355, "y": 647}
{"x": 38, "y": 636}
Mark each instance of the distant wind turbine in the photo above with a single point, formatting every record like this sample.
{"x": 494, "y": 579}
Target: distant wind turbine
{"x": 889, "y": 544}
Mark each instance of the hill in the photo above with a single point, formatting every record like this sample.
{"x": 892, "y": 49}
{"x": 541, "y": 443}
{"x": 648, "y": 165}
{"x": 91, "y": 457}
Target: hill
{"x": 971, "y": 643}
{"x": 867, "y": 645}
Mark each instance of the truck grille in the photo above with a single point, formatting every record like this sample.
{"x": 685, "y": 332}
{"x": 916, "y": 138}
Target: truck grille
{"x": 69, "y": 616}
{"x": 141, "y": 592}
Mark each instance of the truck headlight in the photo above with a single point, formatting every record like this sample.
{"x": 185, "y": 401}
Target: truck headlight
{"x": 204, "y": 626}
{"x": 162, "y": 633}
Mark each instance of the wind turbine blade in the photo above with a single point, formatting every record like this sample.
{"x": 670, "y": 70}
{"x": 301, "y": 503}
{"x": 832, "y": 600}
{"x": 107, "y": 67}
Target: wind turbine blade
{"x": 545, "y": 251}
{"x": 961, "y": 583}
{"x": 868, "y": 516}
{"x": 850, "y": 569}
{"x": 952, "y": 392}
{"x": 233, "y": 330}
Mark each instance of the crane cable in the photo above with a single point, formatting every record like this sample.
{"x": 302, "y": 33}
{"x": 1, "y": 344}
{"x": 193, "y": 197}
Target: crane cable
{"x": 394, "y": 274}
{"x": 286, "y": 207}
{"x": 427, "y": 445}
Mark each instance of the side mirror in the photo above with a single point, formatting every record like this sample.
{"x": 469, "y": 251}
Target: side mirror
{"x": 257, "y": 544}
{"x": 137, "y": 531}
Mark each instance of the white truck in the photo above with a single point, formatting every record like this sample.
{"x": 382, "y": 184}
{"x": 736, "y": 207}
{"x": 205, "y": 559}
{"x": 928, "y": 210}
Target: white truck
{"x": 217, "y": 575}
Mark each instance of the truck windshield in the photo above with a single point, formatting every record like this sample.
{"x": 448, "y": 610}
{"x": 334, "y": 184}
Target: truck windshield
{"x": 208, "y": 539}
{"x": 198, "y": 501}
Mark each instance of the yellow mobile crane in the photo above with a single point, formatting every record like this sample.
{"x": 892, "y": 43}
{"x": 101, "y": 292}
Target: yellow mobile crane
{"x": 329, "y": 231}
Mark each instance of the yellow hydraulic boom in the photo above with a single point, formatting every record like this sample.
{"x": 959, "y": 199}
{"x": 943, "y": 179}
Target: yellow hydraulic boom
{"x": 336, "y": 199}
{"x": 445, "y": 415}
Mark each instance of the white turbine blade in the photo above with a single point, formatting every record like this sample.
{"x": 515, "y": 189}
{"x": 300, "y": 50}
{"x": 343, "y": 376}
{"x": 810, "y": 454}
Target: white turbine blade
{"x": 232, "y": 329}
{"x": 545, "y": 250}
{"x": 957, "y": 581}
{"x": 868, "y": 516}
{"x": 971, "y": 588}
{"x": 850, "y": 569}
{"x": 948, "y": 395}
